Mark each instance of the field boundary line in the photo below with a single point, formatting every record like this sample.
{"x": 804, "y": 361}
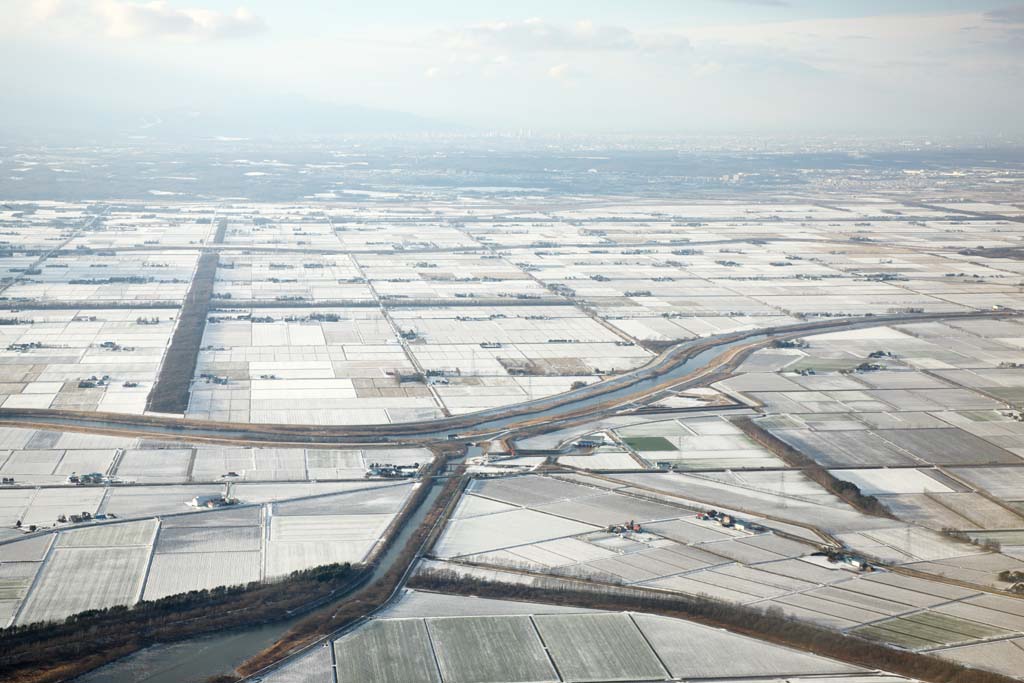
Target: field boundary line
{"x": 547, "y": 650}
{"x": 149, "y": 561}
{"x": 653, "y": 650}
{"x": 35, "y": 581}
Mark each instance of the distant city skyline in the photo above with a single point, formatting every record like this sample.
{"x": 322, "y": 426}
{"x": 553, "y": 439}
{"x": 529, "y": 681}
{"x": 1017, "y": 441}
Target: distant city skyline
{"x": 653, "y": 67}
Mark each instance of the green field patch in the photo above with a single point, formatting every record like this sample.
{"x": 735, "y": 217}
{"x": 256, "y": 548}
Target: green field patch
{"x": 650, "y": 443}
{"x": 916, "y": 629}
{"x": 1009, "y": 394}
{"x": 895, "y": 637}
{"x": 969, "y": 630}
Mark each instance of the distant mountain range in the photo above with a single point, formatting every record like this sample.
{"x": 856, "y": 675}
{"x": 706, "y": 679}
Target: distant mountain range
{"x": 269, "y": 117}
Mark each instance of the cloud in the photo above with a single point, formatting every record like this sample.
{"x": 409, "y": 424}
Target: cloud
{"x": 42, "y": 10}
{"x": 537, "y": 35}
{"x": 158, "y": 19}
{"x": 432, "y": 72}
{"x": 155, "y": 19}
{"x": 559, "y": 72}
{"x": 1007, "y": 15}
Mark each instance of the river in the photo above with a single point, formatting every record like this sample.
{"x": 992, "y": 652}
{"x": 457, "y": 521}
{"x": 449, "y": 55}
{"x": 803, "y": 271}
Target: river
{"x": 197, "y": 659}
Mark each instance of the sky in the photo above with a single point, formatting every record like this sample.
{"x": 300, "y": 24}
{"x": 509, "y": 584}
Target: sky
{"x": 677, "y": 67}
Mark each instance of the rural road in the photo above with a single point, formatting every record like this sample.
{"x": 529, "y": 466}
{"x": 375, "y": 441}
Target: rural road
{"x": 686, "y": 365}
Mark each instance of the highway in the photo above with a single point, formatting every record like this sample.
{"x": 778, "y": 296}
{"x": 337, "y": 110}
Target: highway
{"x": 686, "y": 365}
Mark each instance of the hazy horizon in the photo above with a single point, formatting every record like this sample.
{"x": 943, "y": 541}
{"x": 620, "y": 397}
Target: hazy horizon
{"x": 189, "y": 68}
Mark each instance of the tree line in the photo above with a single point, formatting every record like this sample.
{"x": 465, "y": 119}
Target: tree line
{"x": 770, "y": 625}
{"x": 55, "y": 651}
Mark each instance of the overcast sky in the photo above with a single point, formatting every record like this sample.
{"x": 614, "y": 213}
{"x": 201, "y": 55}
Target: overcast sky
{"x": 634, "y": 66}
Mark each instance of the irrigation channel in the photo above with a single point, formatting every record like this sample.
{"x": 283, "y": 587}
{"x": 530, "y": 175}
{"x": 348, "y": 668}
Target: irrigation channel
{"x": 690, "y": 363}
{"x": 197, "y": 659}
